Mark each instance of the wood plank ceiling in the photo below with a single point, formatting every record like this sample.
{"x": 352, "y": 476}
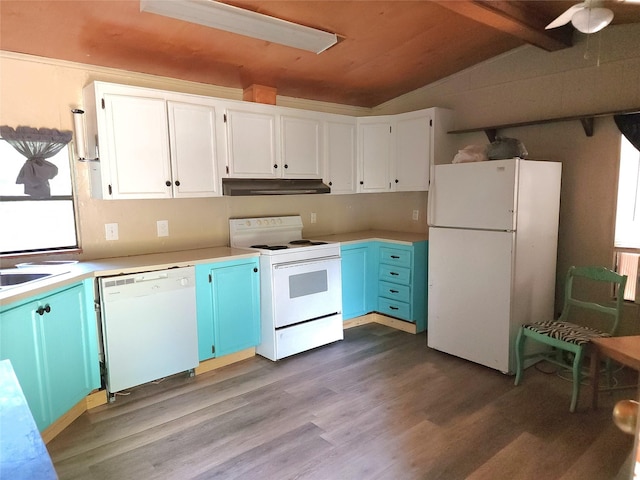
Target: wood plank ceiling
{"x": 387, "y": 48}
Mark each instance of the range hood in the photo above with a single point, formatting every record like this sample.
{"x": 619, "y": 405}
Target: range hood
{"x": 272, "y": 186}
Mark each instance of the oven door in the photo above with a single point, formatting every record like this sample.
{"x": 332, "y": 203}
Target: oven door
{"x": 308, "y": 289}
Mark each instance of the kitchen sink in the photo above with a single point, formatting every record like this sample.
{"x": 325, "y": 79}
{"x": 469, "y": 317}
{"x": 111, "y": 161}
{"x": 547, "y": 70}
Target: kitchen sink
{"x": 13, "y": 277}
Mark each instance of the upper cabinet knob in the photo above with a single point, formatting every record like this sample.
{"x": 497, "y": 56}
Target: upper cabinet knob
{"x": 167, "y": 183}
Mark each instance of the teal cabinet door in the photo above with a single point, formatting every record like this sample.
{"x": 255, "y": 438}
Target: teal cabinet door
{"x": 228, "y": 306}
{"x": 236, "y": 307}
{"x": 19, "y": 342}
{"x": 358, "y": 294}
{"x": 67, "y": 338}
{"x": 52, "y": 344}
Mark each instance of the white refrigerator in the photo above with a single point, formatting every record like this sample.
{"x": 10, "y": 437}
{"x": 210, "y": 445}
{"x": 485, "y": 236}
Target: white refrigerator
{"x": 493, "y": 234}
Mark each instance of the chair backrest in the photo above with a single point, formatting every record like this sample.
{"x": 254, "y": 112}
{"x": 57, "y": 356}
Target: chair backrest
{"x": 596, "y": 274}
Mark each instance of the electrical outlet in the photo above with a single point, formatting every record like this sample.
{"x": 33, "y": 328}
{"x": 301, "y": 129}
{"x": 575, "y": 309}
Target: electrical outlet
{"x": 163, "y": 228}
{"x": 416, "y": 215}
{"x": 313, "y": 217}
{"x": 111, "y": 231}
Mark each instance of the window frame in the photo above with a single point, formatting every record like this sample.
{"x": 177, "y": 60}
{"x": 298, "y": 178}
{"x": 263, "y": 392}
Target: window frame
{"x": 66, "y": 197}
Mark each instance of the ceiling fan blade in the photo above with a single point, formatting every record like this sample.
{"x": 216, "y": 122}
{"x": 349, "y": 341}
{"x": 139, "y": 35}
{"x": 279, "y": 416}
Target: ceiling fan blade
{"x": 566, "y": 16}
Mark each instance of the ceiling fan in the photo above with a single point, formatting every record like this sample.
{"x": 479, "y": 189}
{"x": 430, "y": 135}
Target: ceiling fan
{"x": 587, "y": 17}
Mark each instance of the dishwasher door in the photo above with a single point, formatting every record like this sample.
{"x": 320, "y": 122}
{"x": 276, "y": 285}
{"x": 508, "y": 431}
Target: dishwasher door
{"x": 149, "y": 326}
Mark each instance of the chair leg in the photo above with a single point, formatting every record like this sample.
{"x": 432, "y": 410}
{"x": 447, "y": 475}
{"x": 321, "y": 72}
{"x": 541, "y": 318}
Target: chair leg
{"x": 577, "y": 378}
{"x": 519, "y": 353}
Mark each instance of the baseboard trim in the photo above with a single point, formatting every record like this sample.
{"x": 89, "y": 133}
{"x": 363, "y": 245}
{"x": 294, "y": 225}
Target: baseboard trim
{"x": 215, "y": 363}
{"x": 64, "y": 421}
{"x": 381, "y": 319}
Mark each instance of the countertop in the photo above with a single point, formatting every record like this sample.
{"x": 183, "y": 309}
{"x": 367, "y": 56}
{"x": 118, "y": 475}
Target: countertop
{"x": 405, "y": 238}
{"x": 121, "y": 265}
{"x": 23, "y": 454}
{"x": 184, "y": 258}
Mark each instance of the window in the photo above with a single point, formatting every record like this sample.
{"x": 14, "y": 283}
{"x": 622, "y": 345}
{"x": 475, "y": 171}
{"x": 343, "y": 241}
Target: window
{"x": 627, "y": 235}
{"x": 29, "y": 224}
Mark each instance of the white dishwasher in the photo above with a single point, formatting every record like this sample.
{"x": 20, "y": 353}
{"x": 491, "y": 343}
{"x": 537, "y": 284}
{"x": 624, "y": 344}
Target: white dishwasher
{"x": 149, "y": 326}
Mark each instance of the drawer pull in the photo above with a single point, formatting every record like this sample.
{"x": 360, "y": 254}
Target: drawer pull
{"x": 394, "y": 291}
{"x": 393, "y": 273}
{"x": 393, "y": 308}
{"x": 395, "y": 257}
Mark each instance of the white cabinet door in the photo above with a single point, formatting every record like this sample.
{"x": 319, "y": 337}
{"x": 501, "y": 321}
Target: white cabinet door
{"x": 340, "y": 148}
{"x": 193, "y": 150}
{"x": 137, "y": 151}
{"x": 413, "y": 151}
{"x": 251, "y": 144}
{"x": 375, "y": 146}
{"x": 301, "y": 147}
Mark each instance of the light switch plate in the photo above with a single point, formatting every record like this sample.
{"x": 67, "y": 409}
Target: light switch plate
{"x": 111, "y": 231}
{"x": 416, "y": 215}
{"x": 163, "y": 228}
{"x": 313, "y": 218}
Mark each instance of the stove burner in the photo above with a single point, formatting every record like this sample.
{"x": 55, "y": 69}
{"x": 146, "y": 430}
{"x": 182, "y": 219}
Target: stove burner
{"x": 305, "y": 242}
{"x": 270, "y": 247}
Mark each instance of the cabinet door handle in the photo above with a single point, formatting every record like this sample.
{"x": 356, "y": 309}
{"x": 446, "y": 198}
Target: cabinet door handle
{"x": 286, "y": 165}
{"x": 255, "y": 270}
{"x": 330, "y": 183}
{"x": 395, "y": 257}
{"x": 275, "y": 166}
{"x": 42, "y": 310}
{"x": 361, "y": 182}
{"x": 177, "y": 183}
{"x": 394, "y": 291}
{"x": 396, "y": 180}
{"x": 167, "y": 183}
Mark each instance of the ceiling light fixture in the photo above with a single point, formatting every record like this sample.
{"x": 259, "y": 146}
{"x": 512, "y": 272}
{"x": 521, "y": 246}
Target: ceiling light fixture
{"x": 591, "y": 20}
{"x": 243, "y": 22}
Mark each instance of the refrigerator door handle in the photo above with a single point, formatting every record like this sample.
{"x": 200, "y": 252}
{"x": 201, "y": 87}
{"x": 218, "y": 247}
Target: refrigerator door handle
{"x": 431, "y": 196}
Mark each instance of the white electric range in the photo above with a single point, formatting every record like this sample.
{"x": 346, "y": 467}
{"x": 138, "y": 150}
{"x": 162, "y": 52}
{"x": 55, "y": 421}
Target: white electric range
{"x": 300, "y": 284}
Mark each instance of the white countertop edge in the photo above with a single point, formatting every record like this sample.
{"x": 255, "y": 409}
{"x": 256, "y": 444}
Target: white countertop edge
{"x": 120, "y": 266}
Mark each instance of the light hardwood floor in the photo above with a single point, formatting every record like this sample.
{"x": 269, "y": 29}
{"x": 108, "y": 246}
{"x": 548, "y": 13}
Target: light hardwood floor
{"x": 378, "y": 405}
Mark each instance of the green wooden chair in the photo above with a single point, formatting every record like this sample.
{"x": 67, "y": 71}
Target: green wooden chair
{"x": 563, "y": 336}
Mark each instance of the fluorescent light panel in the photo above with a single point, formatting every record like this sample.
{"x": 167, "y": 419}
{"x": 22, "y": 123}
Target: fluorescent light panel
{"x": 243, "y": 22}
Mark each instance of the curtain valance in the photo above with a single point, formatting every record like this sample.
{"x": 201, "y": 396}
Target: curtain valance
{"x": 36, "y": 145}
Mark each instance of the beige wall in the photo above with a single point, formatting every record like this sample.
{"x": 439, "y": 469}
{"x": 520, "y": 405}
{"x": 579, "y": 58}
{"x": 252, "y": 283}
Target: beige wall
{"x": 524, "y": 84}
{"x": 529, "y": 84}
{"x": 41, "y": 93}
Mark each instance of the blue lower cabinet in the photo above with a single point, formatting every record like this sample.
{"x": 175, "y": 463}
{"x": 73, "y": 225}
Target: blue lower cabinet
{"x": 358, "y": 282}
{"x": 402, "y": 282}
{"x": 52, "y": 343}
{"x": 228, "y": 307}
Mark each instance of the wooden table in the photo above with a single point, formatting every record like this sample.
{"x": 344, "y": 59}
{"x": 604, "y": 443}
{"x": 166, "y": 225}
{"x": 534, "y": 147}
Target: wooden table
{"x": 625, "y": 350}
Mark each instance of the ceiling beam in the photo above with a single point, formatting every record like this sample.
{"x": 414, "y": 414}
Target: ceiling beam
{"x": 515, "y": 18}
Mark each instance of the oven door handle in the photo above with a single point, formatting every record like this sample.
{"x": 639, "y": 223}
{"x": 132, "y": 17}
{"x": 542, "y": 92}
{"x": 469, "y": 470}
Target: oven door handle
{"x": 303, "y": 263}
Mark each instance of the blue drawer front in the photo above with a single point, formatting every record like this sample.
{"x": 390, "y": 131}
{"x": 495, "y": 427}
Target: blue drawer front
{"x": 395, "y": 274}
{"x": 395, "y": 256}
{"x": 395, "y": 309}
{"x": 394, "y": 291}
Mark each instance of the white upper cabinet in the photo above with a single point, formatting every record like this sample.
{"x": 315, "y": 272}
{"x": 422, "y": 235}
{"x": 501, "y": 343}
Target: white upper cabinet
{"x": 301, "y": 147}
{"x": 265, "y": 141}
{"x": 251, "y": 142}
{"x": 340, "y": 154}
{"x": 150, "y": 143}
{"x": 413, "y": 147}
{"x": 395, "y": 152}
{"x": 192, "y": 133}
{"x": 375, "y": 150}
{"x": 135, "y": 147}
